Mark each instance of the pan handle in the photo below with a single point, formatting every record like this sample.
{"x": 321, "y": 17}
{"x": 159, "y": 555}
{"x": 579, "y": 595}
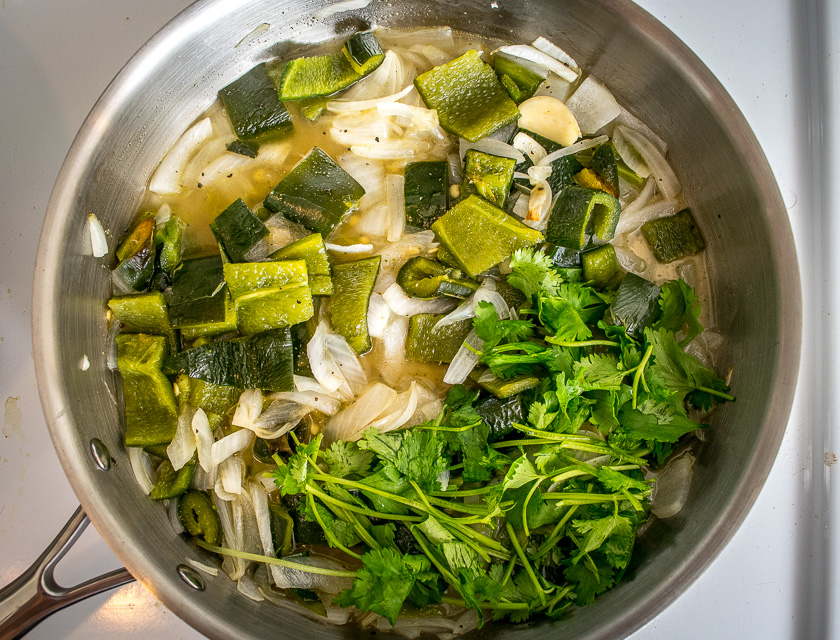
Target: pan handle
{"x": 35, "y": 595}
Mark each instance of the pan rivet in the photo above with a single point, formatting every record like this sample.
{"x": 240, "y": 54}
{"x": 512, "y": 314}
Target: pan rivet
{"x": 191, "y": 577}
{"x": 100, "y": 454}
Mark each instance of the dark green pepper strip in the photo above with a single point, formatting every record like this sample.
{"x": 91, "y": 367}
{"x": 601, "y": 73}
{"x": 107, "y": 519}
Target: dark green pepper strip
{"x": 674, "y": 237}
{"x": 253, "y": 107}
{"x": 349, "y": 303}
{"x": 282, "y": 527}
{"x": 487, "y": 176}
{"x": 237, "y": 229}
{"x": 521, "y": 83}
{"x": 604, "y": 164}
{"x": 247, "y": 148}
{"x": 600, "y": 265}
{"x": 580, "y": 215}
{"x": 363, "y": 52}
{"x": 425, "y": 278}
{"x": 424, "y": 343}
{"x": 426, "y": 192}
{"x": 171, "y": 483}
{"x": 168, "y": 243}
{"x": 137, "y": 266}
{"x": 199, "y": 517}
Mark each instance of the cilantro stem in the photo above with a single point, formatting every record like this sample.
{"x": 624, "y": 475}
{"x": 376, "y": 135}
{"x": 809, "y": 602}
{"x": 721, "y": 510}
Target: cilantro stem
{"x": 719, "y": 394}
{"x": 582, "y": 343}
{"x": 530, "y": 495}
{"x": 519, "y": 552}
{"x": 589, "y": 498}
{"x": 525, "y": 443}
{"x": 464, "y": 493}
{"x": 512, "y": 606}
{"x": 279, "y": 562}
{"x": 363, "y": 510}
{"x": 632, "y": 500}
{"x": 330, "y": 536}
{"x": 639, "y": 373}
{"x": 555, "y": 536}
{"x": 435, "y": 427}
{"x": 447, "y": 575}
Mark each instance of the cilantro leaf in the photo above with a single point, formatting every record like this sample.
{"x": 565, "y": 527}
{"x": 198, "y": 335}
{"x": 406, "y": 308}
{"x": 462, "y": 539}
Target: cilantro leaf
{"x": 533, "y": 272}
{"x": 345, "y": 458}
{"x": 291, "y": 476}
{"x": 384, "y": 582}
{"x": 648, "y": 426}
{"x": 492, "y": 330}
{"x": 339, "y": 529}
{"x": 680, "y": 308}
{"x": 616, "y": 481}
{"x": 417, "y": 455}
{"x": 589, "y": 583}
{"x": 564, "y": 321}
{"x": 599, "y": 371}
{"x": 596, "y": 532}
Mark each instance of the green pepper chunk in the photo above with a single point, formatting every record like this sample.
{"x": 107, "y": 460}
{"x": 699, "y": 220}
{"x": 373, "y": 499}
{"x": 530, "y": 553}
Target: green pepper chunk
{"x": 487, "y": 176}
{"x": 247, "y": 148}
{"x": 426, "y": 192}
{"x": 136, "y": 254}
{"x": 363, "y": 52}
{"x": 424, "y": 343}
{"x": 674, "y": 237}
{"x": 254, "y": 109}
{"x": 313, "y": 251}
{"x": 425, "y": 278}
{"x": 600, "y": 265}
{"x": 349, "y": 304}
{"x": 316, "y": 193}
{"x": 581, "y": 215}
{"x": 479, "y": 235}
{"x": 504, "y": 388}
{"x": 170, "y": 483}
{"x": 200, "y": 304}
{"x": 143, "y": 313}
{"x": 467, "y": 96}
{"x": 151, "y": 413}
{"x": 501, "y": 414}
{"x": 521, "y": 83}
{"x": 237, "y": 229}
{"x": 199, "y": 517}
{"x": 282, "y": 527}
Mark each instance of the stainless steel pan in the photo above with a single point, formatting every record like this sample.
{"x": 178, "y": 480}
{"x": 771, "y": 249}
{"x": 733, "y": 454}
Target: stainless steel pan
{"x": 176, "y": 75}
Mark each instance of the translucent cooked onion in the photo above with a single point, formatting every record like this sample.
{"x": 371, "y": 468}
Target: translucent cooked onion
{"x": 334, "y": 363}
{"x": 368, "y": 173}
{"x": 493, "y": 147}
{"x": 392, "y": 350}
{"x": 536, "y": 61}
{"x": 322, "y": 402}
{"x": 404, "y": 305}
{"x": 666, "y": 179}
{"x": 246, "y": 585}
{"x": 551, "y": 49}
{"x": 98, "y": 240}
{"x": 530, "y": 147}
{"x": 225, "y": 166}
{"x": 465, "y": 360}
{"x": 395, "y": 204}
{"x": 379, "y": 313}
{"x": 629, "y": 154}
{"x": 281, "y": 417}
{"x": 395, "y": 255}
{"x": 341, "y": 106}
{"x": 209, "y": 569}
{"x": 203, "y": 439}
{"x": 348, "y": 363}
{"x": 248, "y": 409}
{"x": 229, "y": 482}
{"x": 577, "y": 147}
{"x": 350, "y": 423}
{"x": 167, "y": 177}
{"x": 644, "y": 197}
{"x": 303, "y": 383}
{"x": 141, "y": 466}
{"x": 636, "y": 218}
{"x": 670, "y": 490}
{"x": 180, "y": 451}
{"x": 466, "y": 310}
{"x": 593, "y": 105}
{"x": 400, "y": 412}
{"x": 287, "y": 578}
{"x": 350, "y": 249}
{"x": 229, "y": 445}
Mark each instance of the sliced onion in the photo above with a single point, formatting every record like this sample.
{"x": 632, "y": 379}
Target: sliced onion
{"x": 404, "y": 305}
{"x": 230, "y": 477}
{"x": 287, "y": 578}
{"x": 593, "y": 105}
{"x": 493, "y": 147}
{"x": 530, "y": 147}
{"x": 420, "y": 118}
{"x": 641, "y": 200}
{"x": 465, "y": 360}
{"x": 539, "y": 204}
{"x": 258, "y": 252}
{"x": 390, "y": 150}
{"x": 368, "y": 173}
{"x": 667, "y": 180}
{"x": 551, "y": 49}
{"x": 539, "y": 173}
{"x": 536, "y": 61}
{"x": 400, "y": 412}
{"x": 246, "y": 585}
{"x": 326, "y": 372}
{"x": 167, "y": 177}
{"x": 142, "y": 468}
{"x": 322, "y": 402}
{"x": 339, "y": 7}
{"x": 577, "y": 147}
{"x": 202, "y": 480}
{"x": 631, "y": 157}
{"x": 164, "y": 213}
{"x": 174, "y": 518}
{"x": 395, "y": 254}
{"x": 203, "y": 439}
{"x": 224, "y": 167}
{"x": 391, "y": 350}
{"x": 281, "y": 417}
{"x": 340, "y": 106}
{"x": 180, "y": 451}
{"x": 395, "y": 202}
{"x": 630, "y": 121}
{"x": 248, "y": 409}
{"x": 274, "y": 154}
{"x": 98, "y": 241}
{"x": 485, "y": 293}
{"x": 348, "y": 362}
{"x": 520, "y": 206}
{"x": 349, "y": 249}
{"x": 226, "y": 447}
{"x": 555, "y": 87}
{"x": 631, "y": 221}
{"x": 379, "y": 313}
{"x": 303, "y": 383}
{"x": 435, "y": 55}
{"x": 259, "y": 500}
{"x": 283, "y": 231}
{"x": 209, "y": 569}
{"x": 670, "y": 490}
{"x": 350, "y": 423}
{"x": 385, "y": 80}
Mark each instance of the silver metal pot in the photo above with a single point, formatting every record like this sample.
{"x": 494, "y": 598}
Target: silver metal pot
{"x": 176, "y": 75}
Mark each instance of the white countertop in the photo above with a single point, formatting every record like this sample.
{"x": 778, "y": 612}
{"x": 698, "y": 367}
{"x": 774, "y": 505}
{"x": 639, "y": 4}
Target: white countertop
{"x": 771, "y": 581}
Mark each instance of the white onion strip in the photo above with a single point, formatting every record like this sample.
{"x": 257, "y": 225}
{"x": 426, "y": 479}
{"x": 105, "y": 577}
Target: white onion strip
{"x": 98, "y": 241}
{"x": 577, "y": 147}
{"x": 224, "y": 448}
{"x": 167, "y": 177}
{"x": 339, "y": 106}
{"x": 203, "y": 439}
{"x": 180, "y": 451}
{"x": 667, "y": 180}
{"x": 142, "y": 468}
{"x": 404, "y": 305}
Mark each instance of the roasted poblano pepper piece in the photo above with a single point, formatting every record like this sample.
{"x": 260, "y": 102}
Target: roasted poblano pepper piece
{"x": 253, "y": 107}
{"x": 426, "y": 192}
{"x": 169, "y": 241}
{"x": 636, "y": 304}
{"x": 563, "y": 170}
{"x": 467, "y": 96}
{"x": 317, "y": 76}
{"x": 282, "y": 527}
{"x": 313, "y": 251}
{"x": 363, "y": 52}
{"x": 580, "y": 216}
{"x": 247, "y": 148}
{"x": 151, "y": 413}
{"x": 479, "y": 235}
{"x": 424, "y": 343}
{"x": 212, "y": 398}
{"x": 604, "y": 164}
{"x": 200, "y": 304}
{"x": 521, "y": 83}
{"x": 143, "y": 313}
{"x": 269, "y": 295}
{"x": 349, "y": 303}
{"x": 237, "y": 229}
{"x": 136, "y": 254}
{"x": 170, "y": 483}
{"x": 600, "y": 266}
{"x": 426, "y": 278}
{"x": 487, "y": 176}
{"x": 674, "y": 237}
{"x": 261, "y": 361}
{"x": 505, "y": 387}
{"x": 316, "y": 193}
{"x": 199, "y": 517}
{"x": 501, "y": 414}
